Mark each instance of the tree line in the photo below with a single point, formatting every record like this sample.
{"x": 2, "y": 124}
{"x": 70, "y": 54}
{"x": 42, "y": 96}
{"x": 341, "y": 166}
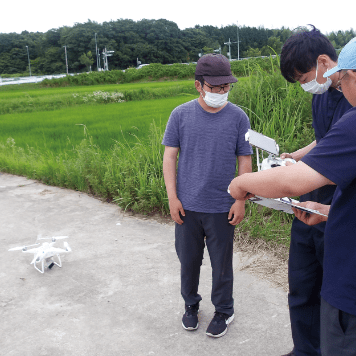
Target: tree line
{"x": 145, "y": 41}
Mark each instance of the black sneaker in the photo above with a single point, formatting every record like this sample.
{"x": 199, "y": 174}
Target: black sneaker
{"x": 290, "y": 354}
{"x": 218, "y": 326}
{"x": 190, "y": 317}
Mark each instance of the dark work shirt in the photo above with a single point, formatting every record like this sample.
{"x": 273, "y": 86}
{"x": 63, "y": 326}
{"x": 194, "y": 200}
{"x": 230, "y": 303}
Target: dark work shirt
{"x": 335, "y": 158}
{"x": 327, "y": 109}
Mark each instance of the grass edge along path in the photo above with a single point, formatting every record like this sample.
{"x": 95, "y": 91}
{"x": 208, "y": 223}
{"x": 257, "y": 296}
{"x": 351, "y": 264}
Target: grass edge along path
{"x": 129, "y": 175}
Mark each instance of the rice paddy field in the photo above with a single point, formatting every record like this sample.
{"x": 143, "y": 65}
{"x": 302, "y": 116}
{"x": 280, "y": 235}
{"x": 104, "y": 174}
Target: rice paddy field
{"x": 106, "y": 139}
{"x": 57, "y": 129}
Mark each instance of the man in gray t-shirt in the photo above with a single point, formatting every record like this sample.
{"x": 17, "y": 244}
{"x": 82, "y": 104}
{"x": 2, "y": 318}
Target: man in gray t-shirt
{"x": 209, "y": 134}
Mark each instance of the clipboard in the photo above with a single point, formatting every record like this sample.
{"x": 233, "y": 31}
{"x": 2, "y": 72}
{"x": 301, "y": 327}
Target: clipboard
{"x": 283, "y": 204}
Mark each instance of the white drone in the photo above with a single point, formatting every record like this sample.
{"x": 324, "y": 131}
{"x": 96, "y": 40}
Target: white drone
{"x": 45, "y": 252}
{"x": 269, "y": 145}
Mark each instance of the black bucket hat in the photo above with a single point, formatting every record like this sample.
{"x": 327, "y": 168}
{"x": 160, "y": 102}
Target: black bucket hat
{"x": 215, "y": 69}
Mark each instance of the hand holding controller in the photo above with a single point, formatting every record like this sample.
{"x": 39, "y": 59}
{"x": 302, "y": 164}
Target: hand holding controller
{"x": 272, "y": 162}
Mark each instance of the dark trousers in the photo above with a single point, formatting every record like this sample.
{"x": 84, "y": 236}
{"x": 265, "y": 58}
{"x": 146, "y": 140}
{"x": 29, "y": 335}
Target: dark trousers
{"x": 305, "y": 274}
{"x": 338, "y": 331}
{"x": 190, "y": 242}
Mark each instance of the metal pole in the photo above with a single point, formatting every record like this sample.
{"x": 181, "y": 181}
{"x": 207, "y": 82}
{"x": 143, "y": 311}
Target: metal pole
{"x": 229, "y": 49}
{"x": 28, "y": 56}
{"x": 65, "y": 51}
{"x": 238, "y": 42}
{"x": 229, "y": 43}
{"x": 96, "y": 52}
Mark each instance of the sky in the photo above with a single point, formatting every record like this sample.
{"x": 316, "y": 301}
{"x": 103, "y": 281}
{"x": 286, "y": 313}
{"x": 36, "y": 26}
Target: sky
{"x": 41, "y": 16}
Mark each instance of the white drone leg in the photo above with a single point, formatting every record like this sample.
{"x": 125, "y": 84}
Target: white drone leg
{"x": 258, "y": 159}
{"x": 35, "y": 264}
{"x": 60, "y": 262}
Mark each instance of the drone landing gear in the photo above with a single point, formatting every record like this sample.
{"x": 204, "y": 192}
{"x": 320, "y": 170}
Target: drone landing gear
{"x": 49, "y": 263}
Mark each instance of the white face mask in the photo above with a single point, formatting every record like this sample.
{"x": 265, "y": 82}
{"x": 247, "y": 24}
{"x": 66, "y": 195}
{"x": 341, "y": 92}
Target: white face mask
{"x": 215, "y": 100}
{"x": 314, "y": 87}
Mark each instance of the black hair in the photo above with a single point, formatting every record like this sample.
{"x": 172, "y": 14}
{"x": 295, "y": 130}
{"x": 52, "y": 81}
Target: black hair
{"x": 300, "y": 52}
{"x": 200, "y": 79}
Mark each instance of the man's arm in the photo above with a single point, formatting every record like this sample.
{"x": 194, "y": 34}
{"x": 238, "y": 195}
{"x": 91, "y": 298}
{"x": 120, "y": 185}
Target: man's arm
{"x": 237, "y": 210}
{"x": 170, "y": 174}
{"x": 299, "y": 154}
{"x": 293, "y": 180}
{"x": 244, "y": 165}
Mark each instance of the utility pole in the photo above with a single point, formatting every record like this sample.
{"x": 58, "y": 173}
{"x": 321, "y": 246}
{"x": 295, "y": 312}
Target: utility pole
{"x": 96, "y": 52}
{"x": 65, "y": 53}
{"x": 29, "y": 64}
{"x": 106, "y": 54}
{"x": 229, "y": 43}
{"x": 238, "y": 42}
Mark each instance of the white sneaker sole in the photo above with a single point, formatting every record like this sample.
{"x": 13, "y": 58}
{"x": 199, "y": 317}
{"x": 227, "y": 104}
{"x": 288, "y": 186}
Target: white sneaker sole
{"x": 190, "y": 328}
{"x": 228, "y": 321}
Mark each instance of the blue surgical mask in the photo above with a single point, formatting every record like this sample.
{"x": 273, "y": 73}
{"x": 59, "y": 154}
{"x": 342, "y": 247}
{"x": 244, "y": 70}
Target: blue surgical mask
{"x": 314, "y": 87}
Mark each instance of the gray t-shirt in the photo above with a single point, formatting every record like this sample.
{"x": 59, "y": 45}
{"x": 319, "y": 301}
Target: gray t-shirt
{"x": 209, "y": 144}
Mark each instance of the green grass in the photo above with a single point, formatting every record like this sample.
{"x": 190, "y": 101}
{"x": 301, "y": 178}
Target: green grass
{"x": 114, "y": 150}
{"x": 55, "y": 131}
{"x": 16, "y": 91}
{"x": 35, "y": 98}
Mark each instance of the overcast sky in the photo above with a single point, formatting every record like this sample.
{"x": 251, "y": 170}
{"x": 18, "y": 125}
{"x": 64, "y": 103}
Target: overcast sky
{"x": 41, "y": 15}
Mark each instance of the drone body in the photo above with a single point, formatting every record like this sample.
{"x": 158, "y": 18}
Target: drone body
{"x": 45, "y": 252}
{"x": 266, "y": 144}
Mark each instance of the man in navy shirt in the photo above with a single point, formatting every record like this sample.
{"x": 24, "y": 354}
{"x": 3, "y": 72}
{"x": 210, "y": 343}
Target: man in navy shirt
{"x": 332, "y": 161}
{"x": 305, "y": 57}
{"x": 209, "y": 135}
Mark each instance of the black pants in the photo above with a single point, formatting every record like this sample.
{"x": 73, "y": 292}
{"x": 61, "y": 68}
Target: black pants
{"x": 190, "y": 243}
{"x": 305, "y": 274}
{"x": 338, "y": 331}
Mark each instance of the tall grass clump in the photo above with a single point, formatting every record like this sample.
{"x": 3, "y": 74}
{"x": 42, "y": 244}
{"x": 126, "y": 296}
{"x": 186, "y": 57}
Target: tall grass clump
{"x": 243, "y": 67}
{"x": 150, "y": 72}
{"x": 131, "y": 175}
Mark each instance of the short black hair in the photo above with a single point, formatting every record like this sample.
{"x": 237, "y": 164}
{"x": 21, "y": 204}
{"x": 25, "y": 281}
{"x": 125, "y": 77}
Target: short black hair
{"x": 300, "y": 52}
{"x": 200, "y": 79}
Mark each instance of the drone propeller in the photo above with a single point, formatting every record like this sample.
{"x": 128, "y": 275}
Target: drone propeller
{"x": 54, "y": 238}
{"x": 22, "y": 247}
{"x": 67, "y": 247}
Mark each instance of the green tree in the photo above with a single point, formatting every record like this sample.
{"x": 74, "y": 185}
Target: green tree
{"x": 252, "y": 52}
{"x": 86, "y": 59}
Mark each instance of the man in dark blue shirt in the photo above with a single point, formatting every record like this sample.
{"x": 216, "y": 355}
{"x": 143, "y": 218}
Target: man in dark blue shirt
{"x": 305, "y": 57}
{"x": 332, "y": 161}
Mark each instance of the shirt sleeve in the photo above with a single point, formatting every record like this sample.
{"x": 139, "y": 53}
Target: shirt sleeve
{"x": 335, "y": 155}
{"x": 171, "y": 134}
{"x": 243, "y": 148}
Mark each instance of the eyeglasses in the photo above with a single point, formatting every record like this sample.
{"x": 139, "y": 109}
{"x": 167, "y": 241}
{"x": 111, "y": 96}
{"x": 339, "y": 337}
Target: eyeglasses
{"x": 221, "y": 88}
{"x": 338, "y": 84}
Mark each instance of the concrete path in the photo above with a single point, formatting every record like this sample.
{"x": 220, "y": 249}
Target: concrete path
{"x": 118, "y": 291}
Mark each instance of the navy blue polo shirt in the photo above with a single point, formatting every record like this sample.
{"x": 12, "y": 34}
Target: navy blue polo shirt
{"x": 335, "y": 158}
{"x": 327, "y": 109}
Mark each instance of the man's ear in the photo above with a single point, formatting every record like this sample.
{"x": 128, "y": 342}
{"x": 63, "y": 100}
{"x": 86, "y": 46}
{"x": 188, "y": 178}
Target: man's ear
{"x": 325, "y": 60}
{"x": 198, "y": 86}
